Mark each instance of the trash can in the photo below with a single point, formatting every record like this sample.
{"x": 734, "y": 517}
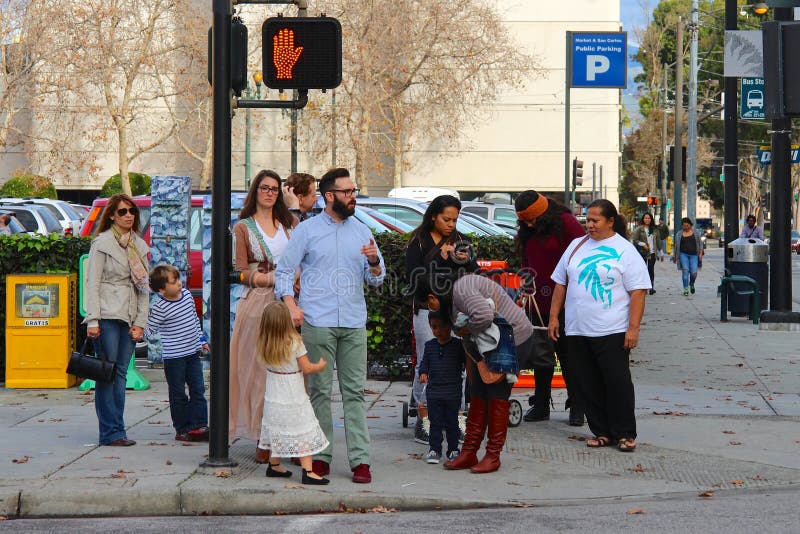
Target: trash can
{"x": 748, "y": 257}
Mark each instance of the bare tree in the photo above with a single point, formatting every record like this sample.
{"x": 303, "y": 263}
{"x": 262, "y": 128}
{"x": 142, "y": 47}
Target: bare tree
{"x": 114, "y": 62}
{"x": 414, "y": 70}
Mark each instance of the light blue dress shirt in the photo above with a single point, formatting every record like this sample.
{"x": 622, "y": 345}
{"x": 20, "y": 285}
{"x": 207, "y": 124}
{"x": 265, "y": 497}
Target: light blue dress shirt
{"x": 332, "y": 271}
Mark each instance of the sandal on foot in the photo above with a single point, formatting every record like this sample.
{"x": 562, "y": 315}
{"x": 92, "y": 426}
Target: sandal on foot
{"x": 598, "y": 441}
{"x": 627, "y": 444}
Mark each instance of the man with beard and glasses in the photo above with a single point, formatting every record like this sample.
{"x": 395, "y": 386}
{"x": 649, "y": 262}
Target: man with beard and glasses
{"x": 336, "y": 254}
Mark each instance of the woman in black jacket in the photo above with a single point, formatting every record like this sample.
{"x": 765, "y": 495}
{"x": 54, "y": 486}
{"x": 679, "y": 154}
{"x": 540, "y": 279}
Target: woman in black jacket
{"x": 435, "y": 246}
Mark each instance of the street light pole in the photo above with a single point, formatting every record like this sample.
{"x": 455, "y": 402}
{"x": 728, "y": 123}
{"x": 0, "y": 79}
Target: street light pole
{"x": 677, "y": 153}
{"x": 691, "y": 142}
{"x": 258, "y": 78}
{"x": 731, "y": 162}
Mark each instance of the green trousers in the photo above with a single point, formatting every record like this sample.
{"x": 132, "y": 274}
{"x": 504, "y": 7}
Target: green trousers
{"x": 348, "y": 348}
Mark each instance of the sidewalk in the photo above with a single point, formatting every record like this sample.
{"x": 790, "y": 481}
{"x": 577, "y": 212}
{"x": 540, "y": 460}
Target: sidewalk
{"x": 717, "y": 409}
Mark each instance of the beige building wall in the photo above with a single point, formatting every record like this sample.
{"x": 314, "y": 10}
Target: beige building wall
{"x": 521, "y": 145}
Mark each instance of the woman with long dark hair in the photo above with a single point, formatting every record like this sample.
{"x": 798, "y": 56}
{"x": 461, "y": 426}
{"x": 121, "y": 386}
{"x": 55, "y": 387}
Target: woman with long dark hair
{"x": 646, "y": 238}
{"x": 687, "y": 253}
{"x": 603, "y": 282}
{"x": 117, "y": 303}
{"x": 261, "y": 236}
{"x": 435, "y": 245}
{"x": 546, "y": 228}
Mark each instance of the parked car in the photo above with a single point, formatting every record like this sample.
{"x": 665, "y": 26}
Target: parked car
{"x": 67, "y": 217}
{"x": 497, "y": 213}
{"x": 390, "y": 222}
{"x": 15, "y": 226}
{"x": 36, "y": 219}
{"x": 411, "y": 212}
{"x": 484, "y": 224}
{"x": 421, "y": 193}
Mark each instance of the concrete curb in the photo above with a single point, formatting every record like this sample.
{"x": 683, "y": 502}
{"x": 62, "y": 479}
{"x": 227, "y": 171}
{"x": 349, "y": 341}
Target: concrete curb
{"x": 9, "y": 502}
{"x": 111, "y": 502}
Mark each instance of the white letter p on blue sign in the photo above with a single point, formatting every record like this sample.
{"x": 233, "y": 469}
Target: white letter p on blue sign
{"x": 596, "y": 64}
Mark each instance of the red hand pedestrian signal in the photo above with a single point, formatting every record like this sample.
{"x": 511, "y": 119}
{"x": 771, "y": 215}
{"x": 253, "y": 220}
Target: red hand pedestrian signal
{"x": 284, "y": 54}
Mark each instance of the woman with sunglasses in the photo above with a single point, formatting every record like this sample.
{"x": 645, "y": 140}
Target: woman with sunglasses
{"x": 260, "y": 237}
{"x": 117, "y": 303}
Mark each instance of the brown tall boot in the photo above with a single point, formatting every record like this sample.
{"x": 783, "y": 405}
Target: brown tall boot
{"x": 496, "y": 437}
{"x": 476, "y": 427}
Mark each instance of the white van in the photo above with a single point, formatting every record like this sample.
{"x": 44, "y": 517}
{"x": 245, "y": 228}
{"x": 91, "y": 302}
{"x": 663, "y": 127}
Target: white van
{"x": 422, "y": 194}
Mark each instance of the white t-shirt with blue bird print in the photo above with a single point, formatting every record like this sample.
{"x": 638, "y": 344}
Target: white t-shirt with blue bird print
{"x": 601, "y": 273}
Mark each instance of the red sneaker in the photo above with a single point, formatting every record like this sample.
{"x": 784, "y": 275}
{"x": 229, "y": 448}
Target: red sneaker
{"x": 361, "y": 474}
{"x": 199, "y": 434}
{"x": 321, "y": 468}
{"x": 182, "y": 437}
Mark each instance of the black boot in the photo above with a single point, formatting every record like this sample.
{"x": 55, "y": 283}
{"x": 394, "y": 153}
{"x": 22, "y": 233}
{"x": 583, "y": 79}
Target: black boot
{"x": 540, "y": 401}
{"x": 575, "y": 413}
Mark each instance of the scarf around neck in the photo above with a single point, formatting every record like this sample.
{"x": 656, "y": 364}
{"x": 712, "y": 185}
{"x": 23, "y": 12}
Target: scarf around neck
{"x": 139, "y": 274}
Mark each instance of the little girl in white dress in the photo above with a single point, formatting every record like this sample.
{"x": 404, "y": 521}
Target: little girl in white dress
{"x": 289, "y": 428}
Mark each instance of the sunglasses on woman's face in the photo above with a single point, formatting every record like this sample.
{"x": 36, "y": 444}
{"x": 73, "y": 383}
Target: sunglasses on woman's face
{"x": 124, "y": 211}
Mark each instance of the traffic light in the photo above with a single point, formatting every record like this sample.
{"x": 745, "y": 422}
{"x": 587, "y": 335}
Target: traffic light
{"x": 781, "y": 69}
{"x": 238, "y": 59}
{"x": 302, "y": 52}
{"x": 652, "y": 201}
{"x": 577, "y": 173}
{"x": 671, "y": 164}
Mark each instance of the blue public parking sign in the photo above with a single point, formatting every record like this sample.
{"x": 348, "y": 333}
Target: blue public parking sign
{"x": 598, "y": 59}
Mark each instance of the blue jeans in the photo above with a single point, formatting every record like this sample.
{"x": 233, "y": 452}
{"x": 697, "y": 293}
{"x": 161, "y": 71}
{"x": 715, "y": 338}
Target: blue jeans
{"x": 188, "y": 413}
{"x": 109, "y": 399}
{"x": 443, "y": 415}
{"x": 689, "y": 267}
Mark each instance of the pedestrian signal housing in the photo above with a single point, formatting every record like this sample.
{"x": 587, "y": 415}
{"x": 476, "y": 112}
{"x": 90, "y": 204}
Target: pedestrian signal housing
{"x": 302, "y": 52}
{"x": 577, "y": 173}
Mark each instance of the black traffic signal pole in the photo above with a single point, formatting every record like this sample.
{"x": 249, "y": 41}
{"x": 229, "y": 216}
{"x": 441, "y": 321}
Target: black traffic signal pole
{"x": 221, "y": 254}
{"x": 731, "y": 163}
{"x": 780, "y": 265}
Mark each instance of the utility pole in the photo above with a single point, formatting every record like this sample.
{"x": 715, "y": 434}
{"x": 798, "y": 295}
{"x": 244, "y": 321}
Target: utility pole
{"x": 691, "y": 141}
{"x": 780, "y": 265}
{"x": 600, "y": 191}
{"x": 594, "y": 182}
{"x": 677, "y": 154}
{"x": 302, "y": 11}
{"x": 731, "y": 164}
{"x": 663, "y": 192}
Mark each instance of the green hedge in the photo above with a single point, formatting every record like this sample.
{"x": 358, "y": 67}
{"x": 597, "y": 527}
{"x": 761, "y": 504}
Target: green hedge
{"x": 28, "y": 185}
{"x": 23, "y": 253}
{"x": 389, "y": 310}
{"x": 140, "y": 185}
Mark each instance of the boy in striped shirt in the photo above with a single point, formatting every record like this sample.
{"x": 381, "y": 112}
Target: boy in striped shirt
{"x": 173, "y": 316}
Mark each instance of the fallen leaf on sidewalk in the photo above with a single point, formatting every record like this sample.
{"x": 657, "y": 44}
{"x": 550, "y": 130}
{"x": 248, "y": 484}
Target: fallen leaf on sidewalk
{"x": 670, "y": 412}
{"x": 370, "y": 392}
{"x": 345, "y": 509}
{"x": 223, "y": 474}
{"x": 56, "y": 420}
{"x": 576, "y": 438}
{"x": 737, "y": 483}
{"x": 111, "y": 457}
{"x": 757, "y": 477}
{"x": 156, "y": 443}
{"x": 118, "y": 475}
{"x": 23, "y": 460}
{"x": 373, "y": 417}
{"x": 728, "y": 432}
{"x": 637, "y": 511}
{"x": 638, "y": 468}
{"x": 381, "y": 510}
{"x": 706, "y": 494}
{"x": 751, "y": 383}
{"x": 294, "y": 486}
{"x": 156, "y": 422}
{"x": 169, "y": 462}
{"x": 735, "y": 442}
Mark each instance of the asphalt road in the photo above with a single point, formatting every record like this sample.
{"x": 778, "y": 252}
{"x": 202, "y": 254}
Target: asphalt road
{"x": 724, "y": 512}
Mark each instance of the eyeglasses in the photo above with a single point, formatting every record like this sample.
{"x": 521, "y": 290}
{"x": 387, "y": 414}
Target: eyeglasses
{"x": 347, "y": 192}
{"x": 124, "y": 211}
{"x": 269, "y": 190}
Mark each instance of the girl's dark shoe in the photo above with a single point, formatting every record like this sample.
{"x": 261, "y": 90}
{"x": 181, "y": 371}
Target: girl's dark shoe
{"x": 314, "y": 481}
{"x": 273, "y": 473}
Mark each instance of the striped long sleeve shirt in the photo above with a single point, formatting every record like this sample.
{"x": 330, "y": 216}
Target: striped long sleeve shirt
{"x": 176, "y": 321}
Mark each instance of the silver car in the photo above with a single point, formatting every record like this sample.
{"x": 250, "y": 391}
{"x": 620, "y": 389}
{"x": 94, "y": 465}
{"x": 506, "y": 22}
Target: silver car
{"x": 65, "y": 214}
{"x": 35, "y": 219}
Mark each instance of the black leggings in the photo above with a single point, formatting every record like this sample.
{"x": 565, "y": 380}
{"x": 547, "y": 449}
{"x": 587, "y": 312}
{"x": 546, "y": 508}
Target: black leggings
{"x": 651, "y": 269}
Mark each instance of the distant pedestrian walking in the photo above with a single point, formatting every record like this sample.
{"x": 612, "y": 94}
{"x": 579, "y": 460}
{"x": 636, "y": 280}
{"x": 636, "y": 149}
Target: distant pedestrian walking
{"x": 687, "y": 253}
{"x": 173, "y": 316}
{"x": 290, "y": 428}
{"x": 646, "y": 238}
{"x": 440, "y": 370}
{"x": 603, "y": 282}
